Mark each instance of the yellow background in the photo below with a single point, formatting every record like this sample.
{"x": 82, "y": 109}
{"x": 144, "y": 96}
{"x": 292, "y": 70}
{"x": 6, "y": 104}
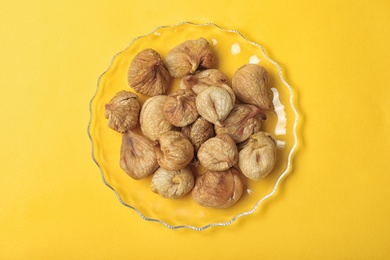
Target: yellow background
{"x": 333, "y": 205}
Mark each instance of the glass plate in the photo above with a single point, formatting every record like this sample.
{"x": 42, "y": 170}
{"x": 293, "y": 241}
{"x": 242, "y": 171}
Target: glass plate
{"x": 232, "y": 50}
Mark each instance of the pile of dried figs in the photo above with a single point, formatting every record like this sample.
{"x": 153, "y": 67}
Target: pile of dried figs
{"x": 206, "y": 121}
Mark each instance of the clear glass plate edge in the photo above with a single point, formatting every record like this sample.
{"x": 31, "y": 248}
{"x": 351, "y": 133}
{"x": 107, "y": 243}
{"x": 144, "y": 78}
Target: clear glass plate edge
{"x": 281, "y": 177}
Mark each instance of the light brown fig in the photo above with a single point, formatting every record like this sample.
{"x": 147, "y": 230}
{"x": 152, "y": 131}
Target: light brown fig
{"x": 147, "y": 73}
{"x": 203, "y": 79}
{"x": 189, "y": 56}
{"x": 198, "y": 132}
{"x": 258, "y": 157}
{"x": 180, "y": 108}
{"x": 123, "y": 111}
{"x": 216, "y": 189}
{"x": 172, "y": 184}
{"x": 173, "y": 150}
{"x": 218, "y": 153}
{"x": 152, "y": 120}
{"x": 137, "y": 156}
{"x": 243, "y": 121}
{"x": 214, "y": 104}
{"x": 250, "y": 84}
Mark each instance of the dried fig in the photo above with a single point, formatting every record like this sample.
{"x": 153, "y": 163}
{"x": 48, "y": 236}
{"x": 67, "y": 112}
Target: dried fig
{"x": 172, "y": 184}
{"x": 189, "y": 56}
{"x": 203, "y": 79}
{"x": 243, "y": 121}
{"x": 215, "y": 104}
{"x": 229, "y": 90}
{"x": 152, "y": 120}
{"x": 147, "y": 73}
{"x": 198, "y": 132}
{"x": 218, "y": 153}
{"x": 215, "y": 189}
{"x": 173, "y": 150}
{"x": 258, "y": 157}
{"x": 137, "y": 156}
{"x": 122, "y": 111}
{"x": 250, "y": 84}
{"x": 180, "y": 108}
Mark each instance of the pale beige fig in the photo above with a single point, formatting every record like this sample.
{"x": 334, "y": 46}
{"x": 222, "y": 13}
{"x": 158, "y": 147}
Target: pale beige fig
{"x": 258, "y": 157}
{"x": 250, "y": 84}
{"x": 123, "y": 111}
{"x": 173, "y": 184}
{"x": 147, "y": 73}
{"x": 218, "y": 153}
{"x": 152, "y": 120}
{"x": 203, "y": 79}
{"x": 229, "y": 90}
{"x": 243, "y": 121}
{"x": 137, "y": 156}
{"x": 198, "y": 132}
{"x": 189, "y": 56}
{"x": 173, "y": 150}
{"x": 214, "y": 104}
{"x": 180, "y": 108}
{"x": 216, "y": 189}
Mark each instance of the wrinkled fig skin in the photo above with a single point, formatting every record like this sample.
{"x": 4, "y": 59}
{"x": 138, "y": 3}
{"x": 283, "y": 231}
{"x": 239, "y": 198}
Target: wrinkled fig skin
{"x": 180, "y": 109}
{"x": 215, "y": 189}
{"x": 173, "y": 184}
{"x": 243, "y": 121}
{"x": 203, "y": 79}
{"x": 258, "y": 157}
{"x": 173, "y": 150}
{"x": 214, "y": 104}
{"x": 198, "y": 132}
{"x": 137, "y": 156}
{"x": 123, "y": 111}
{"x": 189, "y": 56}
{"x": 152, "y": 120}
{"x": 218, "y": 153}
{"x": 230, "y": 91}
{"x": 147, "y": 74}
{"x": 250, "y": 84}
